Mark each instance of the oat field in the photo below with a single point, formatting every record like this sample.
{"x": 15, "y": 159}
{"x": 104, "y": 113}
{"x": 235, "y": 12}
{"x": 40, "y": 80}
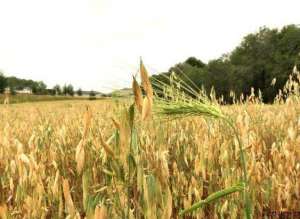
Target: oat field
{"x": 127, "y": 158}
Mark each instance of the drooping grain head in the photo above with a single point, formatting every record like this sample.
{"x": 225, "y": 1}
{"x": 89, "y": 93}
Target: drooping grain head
{"x": 138, "y": 97}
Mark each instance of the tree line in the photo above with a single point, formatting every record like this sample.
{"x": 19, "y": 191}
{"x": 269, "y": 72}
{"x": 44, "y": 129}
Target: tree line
{"x": 261, "y": 59}
{"x": 39, "y": 87}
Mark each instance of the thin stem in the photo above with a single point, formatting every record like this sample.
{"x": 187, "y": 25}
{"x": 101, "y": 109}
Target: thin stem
{"x": 213, "y": 197}
{"x": 244, "y": 167}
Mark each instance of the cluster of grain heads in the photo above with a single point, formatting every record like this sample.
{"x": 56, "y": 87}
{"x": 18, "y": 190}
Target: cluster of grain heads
{"x": 178, "y": 104}
{"x": 138, "y": 97}
{"x": 291, "y": 90}
{"x": 153, "y": 196}
{"x": 63, "y": 160}
{"x": 143, "y": 104}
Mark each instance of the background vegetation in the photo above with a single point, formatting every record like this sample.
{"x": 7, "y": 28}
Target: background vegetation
{"x": 21, "y": 98}
{"x": 262, "y": 61}
{"x": 261, "y": 58}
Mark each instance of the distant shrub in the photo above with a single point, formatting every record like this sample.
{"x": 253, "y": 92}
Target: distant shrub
{"x": 92, "y": 95}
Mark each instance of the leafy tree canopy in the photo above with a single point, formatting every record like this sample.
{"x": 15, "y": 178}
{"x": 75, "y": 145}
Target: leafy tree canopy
{"x": 261, "y": 57}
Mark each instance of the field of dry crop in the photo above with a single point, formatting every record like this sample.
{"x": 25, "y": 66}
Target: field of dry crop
{"x": 94, "y": 160}
{"x": 152, "y": 156}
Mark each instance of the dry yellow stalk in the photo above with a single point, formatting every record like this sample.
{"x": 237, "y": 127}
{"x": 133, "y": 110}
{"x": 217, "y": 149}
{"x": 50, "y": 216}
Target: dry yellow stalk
{"x": 3, "y": 211}
{"x": 24, "y": 159}
{"x": 80, "y": 156}
{"x": 87, "y": 121}
{"x": 100, "y": 212}
{"x": 168, "y": 205}
{"x": 68, "y": 198}
{"x": 106, "y": 146}
{"x": 116, "y": 123}
{"x": 55, "y": 187}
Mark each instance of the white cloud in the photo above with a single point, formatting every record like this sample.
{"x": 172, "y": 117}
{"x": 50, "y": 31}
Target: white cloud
{"x": 96, "y": 44}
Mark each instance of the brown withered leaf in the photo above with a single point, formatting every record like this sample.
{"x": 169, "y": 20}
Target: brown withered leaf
{"x": 138, "y": 97}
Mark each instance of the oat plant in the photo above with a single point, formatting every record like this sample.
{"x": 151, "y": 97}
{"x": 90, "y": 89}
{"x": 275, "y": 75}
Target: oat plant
{"x": 178, "y": 99}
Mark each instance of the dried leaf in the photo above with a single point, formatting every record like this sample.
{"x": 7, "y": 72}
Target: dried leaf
{"x": 100, "y": 212}
{"x": 138, "y": 97}
{"x": 3, "y": 211}
{"x": 106, "y": 146}
{"x": 68, "y": 198}
{"x": 147, "y": 108}
{"x": 80, "y": 156}
{"x": 145, "y": 81}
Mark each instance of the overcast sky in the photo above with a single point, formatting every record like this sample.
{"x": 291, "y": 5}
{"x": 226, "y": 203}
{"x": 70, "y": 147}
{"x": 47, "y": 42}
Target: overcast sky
{"x": 96, "y": 44}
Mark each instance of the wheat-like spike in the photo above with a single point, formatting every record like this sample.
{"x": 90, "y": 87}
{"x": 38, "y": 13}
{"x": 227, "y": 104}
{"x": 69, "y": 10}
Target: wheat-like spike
{"x": 80, "y": 156}
{"x": 106, "y": 146}
{"x": 87, "y": 121}
{"x": 116, "y": 123}
{"x": 138, "y": 97}
{"x": 147, "y": 108}
{"x": 145, "y": 81}
{"x": 55, "y": 187}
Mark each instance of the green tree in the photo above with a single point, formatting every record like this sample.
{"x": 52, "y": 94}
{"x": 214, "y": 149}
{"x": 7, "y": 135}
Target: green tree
{"x": 195, "y": 62}
{"x": 261, "y": 57}
{"x": 92, "y": 95}
{"x": 57, "y": 89}
{"x": 65, "y": 90}
{"x": 41, "y": 88}
{"x": 12, "y": 90}
{"x": 37, "y": 87}
{"x": 3, "y": 82}
{"x": 79, "y": 92}
{"x": 265, "y": 55}
{"x": 220, "y": 77}
{"x": 70, "y": 90}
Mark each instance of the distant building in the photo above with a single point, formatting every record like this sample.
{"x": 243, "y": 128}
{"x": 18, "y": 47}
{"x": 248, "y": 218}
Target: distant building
{"x": 25, "y": 90}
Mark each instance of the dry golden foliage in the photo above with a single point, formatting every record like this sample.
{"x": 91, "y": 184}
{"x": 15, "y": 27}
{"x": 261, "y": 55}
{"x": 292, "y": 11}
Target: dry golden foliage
{"x": 106, "y": 147}
{"x": 146, "y": 81}
{"x": 172, "y": 164}
{"x": 100, "y": 212}
{"x": 87, "y": 121}
{"x": 147, "y": 108}
{"x": 116, "y": 123}
{"x": 68, "y": 198}
{"x": 144, "y": 105}
{"x": 80, "y": 156}
{"x": 3, "y": 211}
{"x": 138, "y": 97}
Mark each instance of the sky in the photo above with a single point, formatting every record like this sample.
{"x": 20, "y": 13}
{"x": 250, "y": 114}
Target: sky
{"x": 97, "y": 44}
